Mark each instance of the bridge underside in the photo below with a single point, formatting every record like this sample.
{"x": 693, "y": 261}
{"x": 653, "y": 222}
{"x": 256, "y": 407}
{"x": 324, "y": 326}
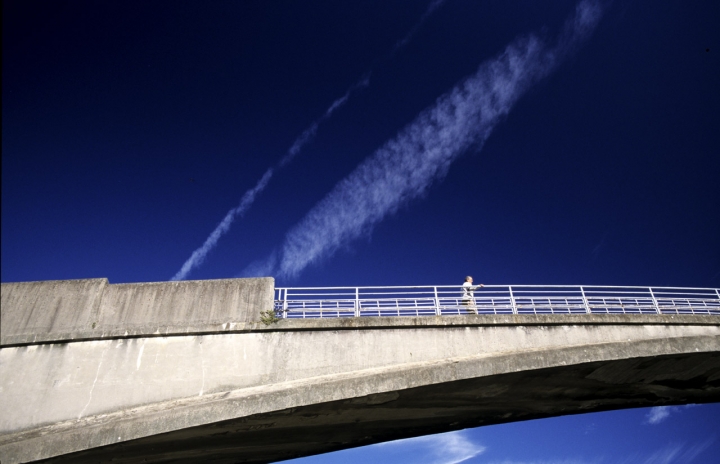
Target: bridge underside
{"x": 441, "y": 407}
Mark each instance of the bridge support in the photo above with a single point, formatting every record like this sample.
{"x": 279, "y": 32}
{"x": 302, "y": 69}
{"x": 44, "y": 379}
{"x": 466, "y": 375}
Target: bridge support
{"x": 254, "y": 393}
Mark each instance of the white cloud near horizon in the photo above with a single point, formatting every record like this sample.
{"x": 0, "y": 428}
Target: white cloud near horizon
{"x": 443, "y": 448}
{"x": 658, "y": 414}
{"x": 406, "y": 166}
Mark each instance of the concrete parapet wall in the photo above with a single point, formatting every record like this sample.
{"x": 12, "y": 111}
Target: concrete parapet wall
{"x": 36, "y": 310}
{"x": 178, "y": 304}
{"x": 66, "y": 310}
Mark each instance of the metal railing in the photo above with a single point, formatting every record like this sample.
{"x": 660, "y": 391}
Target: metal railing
{"x": 322, "y": 302}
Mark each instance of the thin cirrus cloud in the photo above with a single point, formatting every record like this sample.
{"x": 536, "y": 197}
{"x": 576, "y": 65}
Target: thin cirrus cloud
{"x": 406, "y": 166}
{"x": 198, "y": 256}
{"x": 658, "y": 414}
{"x": 549, "y": 461}
{"x": 443, "y": 448}
{"x": 676, "y": 453}
{"x": 434, "y": 5}
{"x": 309, "y": 133}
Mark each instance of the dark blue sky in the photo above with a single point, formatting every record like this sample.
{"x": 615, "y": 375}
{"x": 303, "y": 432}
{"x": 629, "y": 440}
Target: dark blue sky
{"x": 131, "y": 129}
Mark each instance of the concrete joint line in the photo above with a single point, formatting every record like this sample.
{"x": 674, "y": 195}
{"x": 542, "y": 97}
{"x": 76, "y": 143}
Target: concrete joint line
{"x": 365, "y": 323}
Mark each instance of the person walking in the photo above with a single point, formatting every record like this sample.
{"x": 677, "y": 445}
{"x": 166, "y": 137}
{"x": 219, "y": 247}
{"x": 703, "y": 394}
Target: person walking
{"x": 468, "y": 297}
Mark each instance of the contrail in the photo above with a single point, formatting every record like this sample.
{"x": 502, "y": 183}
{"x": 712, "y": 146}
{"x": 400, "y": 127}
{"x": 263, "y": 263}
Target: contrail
{"x": 309, "y": 133}
{"x": 406, "y": 166}
{"x": 434, "y": 5}
{"x": 198, "y": 256}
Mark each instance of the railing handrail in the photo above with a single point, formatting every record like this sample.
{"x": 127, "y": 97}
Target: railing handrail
{"x": 442, "y": 300}
{"x": 502, "y": 286}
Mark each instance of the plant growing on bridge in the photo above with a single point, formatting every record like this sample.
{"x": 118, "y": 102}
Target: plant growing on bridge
{"x": 268, "y": 317}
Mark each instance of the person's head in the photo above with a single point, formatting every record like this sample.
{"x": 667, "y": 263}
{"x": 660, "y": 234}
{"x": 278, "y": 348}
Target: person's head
{"x": 468, "y": 279}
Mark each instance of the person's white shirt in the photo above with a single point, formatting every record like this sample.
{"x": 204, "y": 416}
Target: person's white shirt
{"x": 468, "y": 289}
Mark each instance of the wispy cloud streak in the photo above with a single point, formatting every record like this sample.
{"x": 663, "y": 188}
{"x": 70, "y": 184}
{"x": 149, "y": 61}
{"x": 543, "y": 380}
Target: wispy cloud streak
{"x": 406, "y": 166}
{"x": 659, "y": 414}
{"x": 198, "y": 256}
{"x": 443, "y": 448}
{"x": 364, "y": 81}
{"x": 677, "y": 453}
{"x": 434, "y": 5}
{"x": 549, "y": 461}
{"x": 309, "y": 133}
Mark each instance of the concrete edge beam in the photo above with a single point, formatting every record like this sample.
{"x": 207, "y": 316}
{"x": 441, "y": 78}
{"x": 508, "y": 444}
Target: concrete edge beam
{"x": 360, "y": 323}
{"x": 106, "y": 429}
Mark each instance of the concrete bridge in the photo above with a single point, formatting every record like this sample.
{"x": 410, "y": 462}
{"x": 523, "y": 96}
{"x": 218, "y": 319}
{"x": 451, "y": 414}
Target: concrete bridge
{"x": 186, "y": 371}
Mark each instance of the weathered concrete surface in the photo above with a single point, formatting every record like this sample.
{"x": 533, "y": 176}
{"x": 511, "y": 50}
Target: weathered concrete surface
{"x": 302, "y": 387}
{"x": 39, "y": 309}
{"x": 65, "y": 310}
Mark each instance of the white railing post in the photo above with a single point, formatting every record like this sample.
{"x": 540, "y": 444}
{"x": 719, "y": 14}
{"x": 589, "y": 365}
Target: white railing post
{"x": 585, "y": 301}
{"x": 357, "y": 302}
{"x": 437, "y": 303}
{"x": 284, "y": 304}
{"x": 657, "y": 306}
{"x": 512, "y": 301}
